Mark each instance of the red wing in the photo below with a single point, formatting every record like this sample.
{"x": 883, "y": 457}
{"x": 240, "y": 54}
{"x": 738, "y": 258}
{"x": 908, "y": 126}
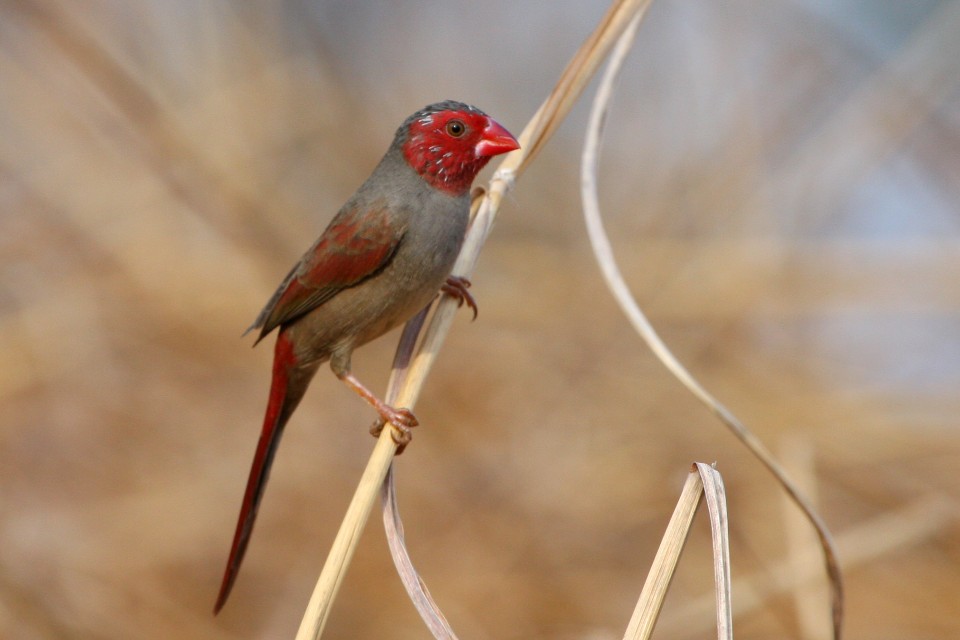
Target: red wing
{"x": 356, "y": 245}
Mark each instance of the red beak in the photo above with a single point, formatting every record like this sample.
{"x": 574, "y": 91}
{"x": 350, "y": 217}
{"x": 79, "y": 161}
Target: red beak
{"x": 495, "y": 140}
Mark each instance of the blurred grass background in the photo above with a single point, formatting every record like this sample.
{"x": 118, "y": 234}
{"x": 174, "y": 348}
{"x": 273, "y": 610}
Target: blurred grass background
{"x": 781, "y": 182}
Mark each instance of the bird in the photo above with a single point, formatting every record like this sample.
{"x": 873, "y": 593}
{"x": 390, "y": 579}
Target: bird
{"x": 386, "y": 255}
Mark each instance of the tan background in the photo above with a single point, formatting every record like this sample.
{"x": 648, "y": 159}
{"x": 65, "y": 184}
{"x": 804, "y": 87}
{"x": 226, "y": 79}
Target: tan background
{"x": 780, "y": 181}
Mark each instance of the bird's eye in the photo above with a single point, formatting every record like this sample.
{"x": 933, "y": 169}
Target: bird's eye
{"x": 456, "y": 128}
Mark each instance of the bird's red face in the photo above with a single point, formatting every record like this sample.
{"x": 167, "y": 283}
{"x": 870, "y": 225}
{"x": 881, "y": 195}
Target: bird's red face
{"x": 449, "y": 147}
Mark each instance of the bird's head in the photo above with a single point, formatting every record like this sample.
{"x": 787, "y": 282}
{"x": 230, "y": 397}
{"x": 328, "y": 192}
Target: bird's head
{"x": 448, "y": 143}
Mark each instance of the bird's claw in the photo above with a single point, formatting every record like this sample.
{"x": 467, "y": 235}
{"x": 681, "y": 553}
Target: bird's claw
{"x": 402, "y": 421}
{"x": 456, "y": 287}
{"x": 401, "y": 437}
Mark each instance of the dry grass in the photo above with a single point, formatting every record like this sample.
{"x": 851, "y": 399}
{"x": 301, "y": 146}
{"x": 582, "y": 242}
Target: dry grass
{"x": 780, "y": 187}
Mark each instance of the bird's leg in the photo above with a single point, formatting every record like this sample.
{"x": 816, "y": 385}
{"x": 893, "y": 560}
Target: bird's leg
{"x": 402, "y": 419}
{"x": 456, "y": 287}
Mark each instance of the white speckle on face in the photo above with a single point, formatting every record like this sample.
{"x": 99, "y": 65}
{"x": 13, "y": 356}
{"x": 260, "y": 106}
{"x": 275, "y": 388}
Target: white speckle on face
{"x": 447, "y": 154}
{"x": 435, "y": 148}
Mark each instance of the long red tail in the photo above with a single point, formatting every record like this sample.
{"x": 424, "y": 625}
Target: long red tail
{"x": 285, "y": 394}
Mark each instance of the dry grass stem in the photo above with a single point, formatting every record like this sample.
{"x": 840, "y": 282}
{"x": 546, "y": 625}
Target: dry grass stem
{"x": 576, "y": 75}
{"x": 720, "y": 537}
{"x": 665, "y": 561}
{"x": 860, "y": 545}
{"x": 621, "y": 292}
{"x": 703, "y": 480}
{"x": 419, "y": 594}
{"x": 393, "y": 525}
{"x": 811, "y": 599}
{"x": 716, "y": 497}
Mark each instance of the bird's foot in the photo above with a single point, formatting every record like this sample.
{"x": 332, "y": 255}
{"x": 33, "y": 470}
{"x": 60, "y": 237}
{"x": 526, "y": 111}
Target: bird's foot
{"x": 403, "y": 422}
{"x": 456, "y": 287}
{"x": 402, "y": 419}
